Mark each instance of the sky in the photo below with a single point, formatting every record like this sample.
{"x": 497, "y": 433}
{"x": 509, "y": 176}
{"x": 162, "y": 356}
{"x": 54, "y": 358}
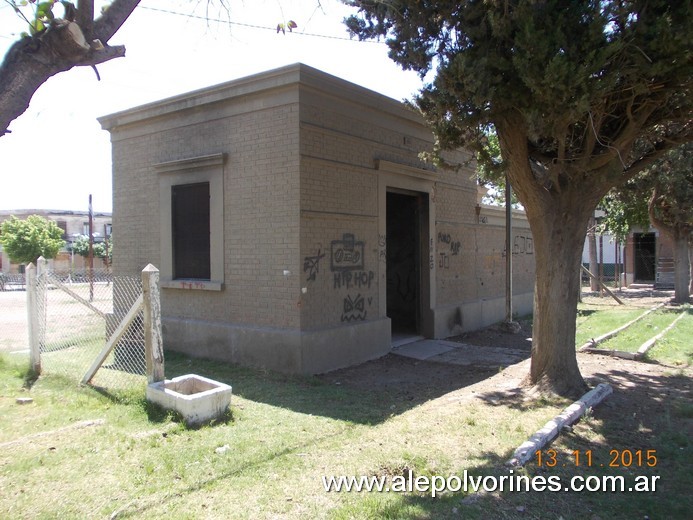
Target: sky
{"x": 57, "y": 153}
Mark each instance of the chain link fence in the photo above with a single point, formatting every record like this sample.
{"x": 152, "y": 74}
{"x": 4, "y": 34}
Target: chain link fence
{"x": 80, "y": 316}
{"x": 77, "y": 317}
{"x": 14, "y": 338}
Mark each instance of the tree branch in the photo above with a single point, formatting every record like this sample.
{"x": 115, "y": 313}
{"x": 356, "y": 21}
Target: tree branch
{"x": 31, "y": 61}
{"x": 114, "y": 17}
{"x": 102, "y": 56}
{"x": 85, "y": 17}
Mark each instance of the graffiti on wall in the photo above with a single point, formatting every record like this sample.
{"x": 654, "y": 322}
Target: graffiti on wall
{"x": 347, "y": 254}
{"x": 354, "y": 308}
{"x": 357, "y": 279}
{"x": 347, "y": 264}
{"x": 450, "y": 247}
{"x": 311, "y": 265}
{"x": 382, "y": 248}
{"x": 522, "y": 245}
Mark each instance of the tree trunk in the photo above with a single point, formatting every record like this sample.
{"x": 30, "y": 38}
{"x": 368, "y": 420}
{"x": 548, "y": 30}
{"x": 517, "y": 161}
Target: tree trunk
{"x": 558, "y": 211}
{"x": 679, "y": 233}
{"x": 558, "y": 243}
{"x": 690, "y": 263}
{"x": 592, "y": 245}
{"x": 682, "y": 269}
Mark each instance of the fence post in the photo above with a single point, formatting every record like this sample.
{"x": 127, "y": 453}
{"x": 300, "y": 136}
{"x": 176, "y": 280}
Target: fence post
{"x": 153, "y": 341}
{"x": 36, "y": 311}
{"x": 41, "y": 297}
{"x": 32, "y": 319}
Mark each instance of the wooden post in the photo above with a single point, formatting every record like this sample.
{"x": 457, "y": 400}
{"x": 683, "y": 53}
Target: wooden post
{"x": 32, "y": 319}
{"x": 153, "y": 341}
{"x": 551, "y": 429}
{"x": 602, "y": 285}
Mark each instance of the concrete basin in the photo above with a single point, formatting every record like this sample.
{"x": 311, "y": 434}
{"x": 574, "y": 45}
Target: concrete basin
{"x": 197, "y": 399}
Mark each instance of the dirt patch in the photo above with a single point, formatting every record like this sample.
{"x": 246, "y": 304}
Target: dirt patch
{"x": 631, "y": 380}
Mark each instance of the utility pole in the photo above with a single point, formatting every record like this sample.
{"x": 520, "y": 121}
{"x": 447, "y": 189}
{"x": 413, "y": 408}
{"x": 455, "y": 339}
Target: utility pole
{"x": 508, "y": 252}
{"x": 510, "y": 325}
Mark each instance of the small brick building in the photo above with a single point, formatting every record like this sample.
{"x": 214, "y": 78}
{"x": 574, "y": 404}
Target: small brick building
{"x": 296, "y": 228}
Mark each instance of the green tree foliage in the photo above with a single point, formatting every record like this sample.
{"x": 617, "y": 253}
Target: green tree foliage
{"x": 671, "y": 211}
{"x": 625, "y": 208}
{"x": 26, "y": 240}
{"x": 583, "y": 94}
{"x": 671, "y": 203}
{"x": 81, "y": 247}
{"x": 661, "y": 195}
{"x": 491, "y": 175}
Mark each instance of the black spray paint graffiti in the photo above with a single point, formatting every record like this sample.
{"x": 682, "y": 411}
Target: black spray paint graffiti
{"x": 522, "y": 246}
{"x": 355, "y": 308}
{"x": 455, "y": 247}
{"x": 357, "y": 279}
{"x": 347, "y": 264}
{"x": 311, "y": 265}
{"x": 382, "y": 248}
{"x": 347, "y": 254}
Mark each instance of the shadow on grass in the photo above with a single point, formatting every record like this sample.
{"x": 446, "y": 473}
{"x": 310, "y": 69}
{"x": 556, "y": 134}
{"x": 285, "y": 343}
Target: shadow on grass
{"x": 647, "y": 411}
{"x": 367, "y": 394}
{"x": 30, "y": 377}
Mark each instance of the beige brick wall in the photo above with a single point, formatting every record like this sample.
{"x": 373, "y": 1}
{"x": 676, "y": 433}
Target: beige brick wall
{"x": 308, "y": 160}
{"x": 260, "y": 207}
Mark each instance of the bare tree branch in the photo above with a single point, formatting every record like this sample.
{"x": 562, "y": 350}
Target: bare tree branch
{"x": 113, "y": 19}
{"x": 85, "y": 17}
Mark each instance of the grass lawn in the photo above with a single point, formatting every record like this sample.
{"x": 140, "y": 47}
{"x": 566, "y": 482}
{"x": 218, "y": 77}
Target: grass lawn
{"x": 630, "y": 339}
{"x": 595, "y": 320}
{"x": 283, "y": 434}
{"x": 676, "y": 347}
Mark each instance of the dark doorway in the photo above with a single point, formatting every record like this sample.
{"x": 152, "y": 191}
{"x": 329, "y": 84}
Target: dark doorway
{"x": 404, "y": 218}
{"x": 645, "y": 256}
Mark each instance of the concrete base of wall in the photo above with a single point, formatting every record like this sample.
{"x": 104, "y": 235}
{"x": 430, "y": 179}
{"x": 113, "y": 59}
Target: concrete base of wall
{"x": 339, "y": 347}
{"x": 283, "y": 350}
{"x": 455, "y": 319}
{"x": 322, "y": 350}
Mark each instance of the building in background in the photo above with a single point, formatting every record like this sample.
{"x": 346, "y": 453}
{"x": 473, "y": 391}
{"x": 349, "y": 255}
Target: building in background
{"x": 73, "y": 224}
{"x": 647, "y": 257}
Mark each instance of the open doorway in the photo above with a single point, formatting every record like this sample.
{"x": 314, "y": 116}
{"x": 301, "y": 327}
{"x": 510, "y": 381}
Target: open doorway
{"x": 645, "y": 256}
{"x": 406, "y": 224}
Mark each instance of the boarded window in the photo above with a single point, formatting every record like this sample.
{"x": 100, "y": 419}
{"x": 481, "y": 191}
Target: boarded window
{"x": 190, "y": 231}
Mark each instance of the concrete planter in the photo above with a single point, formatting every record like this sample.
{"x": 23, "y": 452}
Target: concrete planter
{"x": 197, "y": 399}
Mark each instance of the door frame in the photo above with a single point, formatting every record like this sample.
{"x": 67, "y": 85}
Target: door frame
{"x": 413, "y": 181}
